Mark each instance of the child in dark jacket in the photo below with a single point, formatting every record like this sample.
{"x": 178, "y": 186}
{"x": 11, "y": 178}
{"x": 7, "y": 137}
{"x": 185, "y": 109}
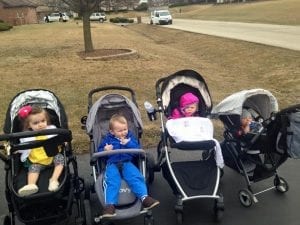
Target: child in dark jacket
{"x": 119, "y": 137}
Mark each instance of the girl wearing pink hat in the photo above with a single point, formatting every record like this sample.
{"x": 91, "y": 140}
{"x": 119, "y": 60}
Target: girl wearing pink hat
{"x": 192, "y": 129}
{"x": 188, "y": 106}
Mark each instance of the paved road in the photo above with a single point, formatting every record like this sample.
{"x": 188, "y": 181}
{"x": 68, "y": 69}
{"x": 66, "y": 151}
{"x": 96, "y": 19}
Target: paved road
{"x": 274, "y": 35}
{"x": 272, "y": 208}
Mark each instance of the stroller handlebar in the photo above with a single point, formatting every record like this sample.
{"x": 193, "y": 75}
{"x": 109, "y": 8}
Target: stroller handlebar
{"x": 59, "y": 136}
{"x": 135, "y": 151}
{"x": 56, "y": 131}
{"x": 100, "y": 89}
{"x": 158, "y": 87}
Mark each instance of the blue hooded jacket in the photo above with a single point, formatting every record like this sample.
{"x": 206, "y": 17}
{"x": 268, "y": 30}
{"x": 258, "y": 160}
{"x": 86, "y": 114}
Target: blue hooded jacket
{"x": 110, "y": 139}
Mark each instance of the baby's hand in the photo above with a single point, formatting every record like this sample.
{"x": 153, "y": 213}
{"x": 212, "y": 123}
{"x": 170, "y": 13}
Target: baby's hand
{"x": 108, "y": 147}
{"x": 124, "y": 141}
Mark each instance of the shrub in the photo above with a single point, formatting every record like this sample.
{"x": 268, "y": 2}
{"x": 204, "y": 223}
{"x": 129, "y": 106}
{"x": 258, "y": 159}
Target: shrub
{"x": 5, "y": 26}
{"x": 120, "y": 20}
{"x": 142, "y": 7}
{"x": 77, "y": 18}
{"x": 178, "y": 4}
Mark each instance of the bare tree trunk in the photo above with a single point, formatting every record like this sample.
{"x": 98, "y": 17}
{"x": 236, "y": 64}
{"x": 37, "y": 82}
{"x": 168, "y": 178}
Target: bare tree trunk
{"x": 88, "y": 43}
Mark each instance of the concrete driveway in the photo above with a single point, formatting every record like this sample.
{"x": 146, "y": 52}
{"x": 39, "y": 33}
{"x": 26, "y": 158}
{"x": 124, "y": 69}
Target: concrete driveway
{"x": 273, "y": 208}
{"x": 274, "y": 35}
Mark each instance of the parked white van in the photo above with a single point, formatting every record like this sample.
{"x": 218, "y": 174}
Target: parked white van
{"x": 161, "y": 17}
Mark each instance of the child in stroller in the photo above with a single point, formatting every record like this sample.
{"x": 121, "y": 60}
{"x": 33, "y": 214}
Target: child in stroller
{"x": 192, "y": 129}
{"x": 248, "y": 124}
{"x": 252, "y": 154}
{"x": 44, "y": 206}
{"x": 36, "y": 118}
{"x": 121, "y": 101}
{"x": 188, "y": 178}
{"x": 119, "y": 137}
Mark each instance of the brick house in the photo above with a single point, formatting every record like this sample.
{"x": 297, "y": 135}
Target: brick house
{"x": 18, "y": 12}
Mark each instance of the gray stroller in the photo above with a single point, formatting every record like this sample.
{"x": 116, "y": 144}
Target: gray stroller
{"x": 96, "y": 124}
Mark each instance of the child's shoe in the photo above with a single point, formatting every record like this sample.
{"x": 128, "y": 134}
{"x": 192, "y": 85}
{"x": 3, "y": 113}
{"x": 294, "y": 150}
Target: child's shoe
{"x": 109, "y": 211}
{"x": 53, "y": 185}
{"x": 28, "y": 189}
{"x": 149, "y": 203}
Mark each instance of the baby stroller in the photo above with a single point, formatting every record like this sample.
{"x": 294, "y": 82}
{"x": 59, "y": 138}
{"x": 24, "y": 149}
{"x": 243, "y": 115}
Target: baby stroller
{"x": 194, "y": 179}
{"x": 97, "y": 126}
{"x": 256, "y": 158}
{"x": 43, "y": 207}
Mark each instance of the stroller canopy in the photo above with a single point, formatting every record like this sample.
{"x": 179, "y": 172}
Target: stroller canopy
{"x": 97, "y": 123}
{"x": 111, "y": 99}
{"x": 260, "y": 100}
{"x": 43, "y": 98}
{"x": 190, "y": 78}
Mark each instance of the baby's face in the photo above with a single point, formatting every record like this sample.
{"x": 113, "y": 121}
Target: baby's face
{"x": 37, "y": 121}
{"x": 246, "y": 121}
{"x": 120, "y": 130}
{"x": 189, "y": 110}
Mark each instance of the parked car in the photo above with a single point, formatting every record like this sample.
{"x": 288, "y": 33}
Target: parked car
{"x": 160, "y": 17}
{"x": 56, "y": 17}
{"x": 98, "y": 16}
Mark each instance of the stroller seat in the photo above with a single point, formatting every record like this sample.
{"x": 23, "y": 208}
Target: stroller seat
{"x": 128, "y": 204}
{"x": 188, "y": 174}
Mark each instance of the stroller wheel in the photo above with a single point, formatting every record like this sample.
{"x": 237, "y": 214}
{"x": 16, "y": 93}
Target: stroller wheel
{"x": 7, "y": 220}
{"x": 219, "y": 208}
{"x": 281, "y": 184}
{"x": 179, "y": 217}
{"x": 150, "y": 168}
{"x": 219, "y": 215}
{"x": 148, "y": 220}
{"x": 87, "y": 212}
{"x": 246, "y": 197}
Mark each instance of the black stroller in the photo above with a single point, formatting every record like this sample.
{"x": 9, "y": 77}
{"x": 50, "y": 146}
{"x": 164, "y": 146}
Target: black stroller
{"x": 189, "y": 179}
{"x": 43, "y": 207}
{"x": 97, "y": 126}
{"x": 258, "y": 157}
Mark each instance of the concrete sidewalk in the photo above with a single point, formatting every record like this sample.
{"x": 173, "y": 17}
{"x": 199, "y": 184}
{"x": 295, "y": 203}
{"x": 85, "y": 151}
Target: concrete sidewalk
{"x": 273, "y": 35}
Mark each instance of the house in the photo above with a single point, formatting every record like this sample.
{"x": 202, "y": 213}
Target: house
{"x": 18, "y": 12}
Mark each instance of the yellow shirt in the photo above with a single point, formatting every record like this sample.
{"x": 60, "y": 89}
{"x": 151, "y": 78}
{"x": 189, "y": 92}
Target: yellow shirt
{"x": 38, "y": 155}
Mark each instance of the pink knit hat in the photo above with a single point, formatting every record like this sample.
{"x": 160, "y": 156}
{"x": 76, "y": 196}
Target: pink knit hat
{"x": 187, "y": 99}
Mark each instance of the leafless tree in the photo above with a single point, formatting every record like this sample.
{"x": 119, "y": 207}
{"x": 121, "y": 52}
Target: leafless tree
{"x": 84, "y": 8}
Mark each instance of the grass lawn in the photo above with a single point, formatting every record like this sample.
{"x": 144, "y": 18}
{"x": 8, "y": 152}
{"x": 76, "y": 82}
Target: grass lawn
{"x": 46, "y": 56}
{"x": 285, "y": 12}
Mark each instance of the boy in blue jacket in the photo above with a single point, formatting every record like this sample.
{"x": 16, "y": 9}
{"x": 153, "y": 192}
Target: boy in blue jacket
{"x": 119, "y": 137}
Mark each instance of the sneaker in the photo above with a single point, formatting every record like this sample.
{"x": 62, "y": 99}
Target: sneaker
{"x": 149, "y": 203}
{"x": 53, "y": 185}
{"x": 109, "y": 211}
{"x": 28, "y": 189}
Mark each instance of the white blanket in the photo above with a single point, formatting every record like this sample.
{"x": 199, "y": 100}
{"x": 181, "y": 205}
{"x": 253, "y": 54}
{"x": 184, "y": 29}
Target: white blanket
{"x": 193, "y": 129}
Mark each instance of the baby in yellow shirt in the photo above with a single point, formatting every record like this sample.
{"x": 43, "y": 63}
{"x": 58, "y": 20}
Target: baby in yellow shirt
{"x": 36, "y": 118}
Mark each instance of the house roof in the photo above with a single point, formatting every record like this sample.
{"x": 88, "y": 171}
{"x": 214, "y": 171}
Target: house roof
{"x": 17, "y": 3}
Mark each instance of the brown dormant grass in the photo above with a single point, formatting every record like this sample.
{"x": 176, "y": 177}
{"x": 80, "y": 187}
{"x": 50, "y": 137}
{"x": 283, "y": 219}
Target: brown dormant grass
{"x": 271, "y": 11}
{"x": 46, "y": 56}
